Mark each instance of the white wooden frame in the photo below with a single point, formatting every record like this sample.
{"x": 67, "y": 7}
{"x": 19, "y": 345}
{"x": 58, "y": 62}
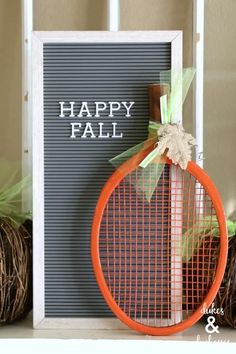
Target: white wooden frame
{"x": 38, "y": 39}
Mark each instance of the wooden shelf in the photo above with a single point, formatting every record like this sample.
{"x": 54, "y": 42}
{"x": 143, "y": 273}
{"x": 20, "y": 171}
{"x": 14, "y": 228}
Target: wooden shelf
{"x": 23, "y": 329}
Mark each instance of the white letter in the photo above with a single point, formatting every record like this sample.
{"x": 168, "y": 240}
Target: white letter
{"x": 88, "y": 130}
{"x": 112, "y": 108}
{"x": 99, "y": 109}
{"x": 128, "y": 107}
{"x": 71, "y": 109}
{"x": 84, "y": 109}
{"x": 73, "y": 129}
{"x": 107, "y": 135}
{"x": 114, "y": 132}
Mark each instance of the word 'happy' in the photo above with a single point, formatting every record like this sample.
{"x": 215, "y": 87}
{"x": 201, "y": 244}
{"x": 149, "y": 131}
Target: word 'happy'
{"x": 99, "y": 129}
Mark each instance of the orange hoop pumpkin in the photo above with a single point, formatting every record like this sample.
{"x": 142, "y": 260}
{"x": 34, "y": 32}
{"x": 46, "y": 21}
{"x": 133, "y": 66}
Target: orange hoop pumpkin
{"x": 137, "y": 247}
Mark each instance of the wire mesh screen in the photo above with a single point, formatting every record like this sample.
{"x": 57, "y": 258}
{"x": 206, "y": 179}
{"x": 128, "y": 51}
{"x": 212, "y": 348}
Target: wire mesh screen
{"x": 159, "y": 257}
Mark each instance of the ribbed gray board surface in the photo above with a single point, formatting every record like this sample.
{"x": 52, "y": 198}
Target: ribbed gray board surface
{"x": 76, "y": 169}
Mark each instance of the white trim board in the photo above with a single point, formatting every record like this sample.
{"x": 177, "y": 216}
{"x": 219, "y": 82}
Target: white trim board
{"x": 38, "y": 39}
{"x": 175, "y": 37}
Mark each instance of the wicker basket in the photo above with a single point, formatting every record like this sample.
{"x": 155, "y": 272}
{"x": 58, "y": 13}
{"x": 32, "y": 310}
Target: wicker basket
{"x": 15, "y": 271}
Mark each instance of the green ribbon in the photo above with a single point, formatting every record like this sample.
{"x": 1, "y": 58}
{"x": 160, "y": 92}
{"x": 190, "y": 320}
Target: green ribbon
{"x": 207, "y": 226}
{"x": 179, "y": 81}
{"x": 11, "y": 194}
{"x": 153, "y": 126}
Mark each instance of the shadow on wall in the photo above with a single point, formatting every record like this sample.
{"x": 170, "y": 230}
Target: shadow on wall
{"x": 72, "y": 15}
{"x": 10, "y": 82}
{"x": 99, "y": 19}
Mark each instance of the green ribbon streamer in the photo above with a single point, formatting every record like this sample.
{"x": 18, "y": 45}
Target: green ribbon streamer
{"x": 193, "y": 237}
{"x": 10, "y": 194}
{"x": 153, "y": 126}
{"x": 164, "y": 112}
{"x": 126, "y": 155}
{"x": 179, "y": 81}
{"x": 151, "y": 174}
